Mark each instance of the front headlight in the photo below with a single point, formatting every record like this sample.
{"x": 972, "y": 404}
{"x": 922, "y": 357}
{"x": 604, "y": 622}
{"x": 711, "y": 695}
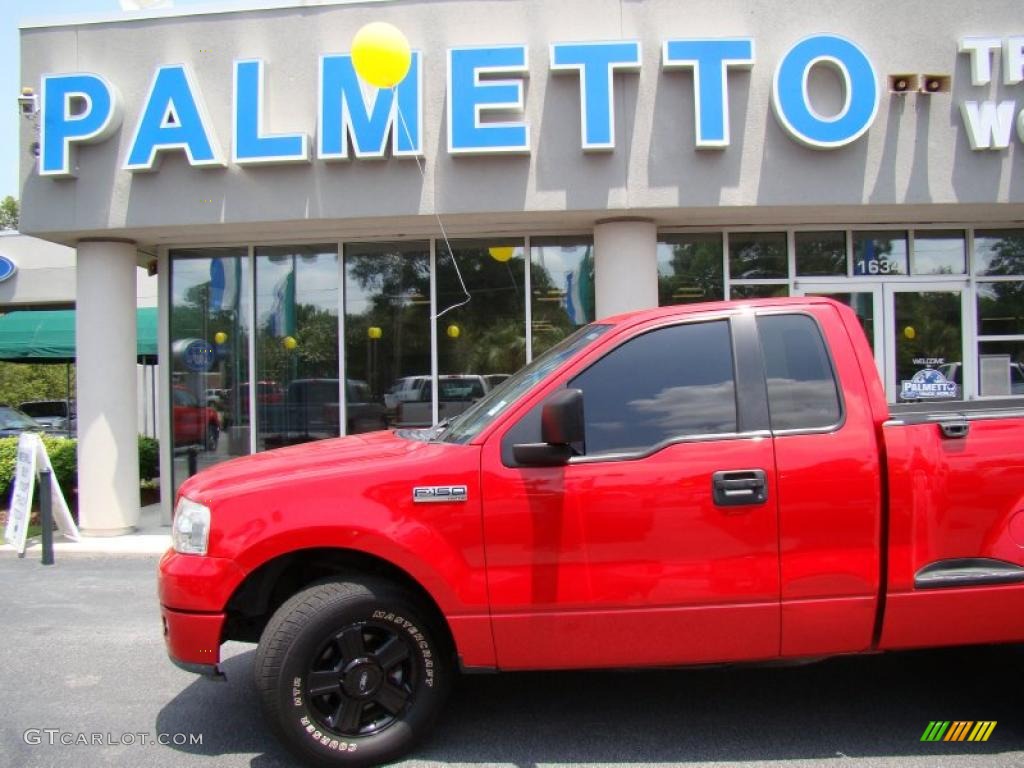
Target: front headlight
{"x": 191, "y": 530}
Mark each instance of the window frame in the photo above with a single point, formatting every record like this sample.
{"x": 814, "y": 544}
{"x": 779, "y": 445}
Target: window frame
{"x": 749, "y": 391}
{"x": 841, "y": 395}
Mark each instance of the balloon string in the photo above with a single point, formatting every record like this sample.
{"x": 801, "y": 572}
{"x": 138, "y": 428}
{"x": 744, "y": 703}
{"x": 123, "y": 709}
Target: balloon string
{"x": 440, "y": 224}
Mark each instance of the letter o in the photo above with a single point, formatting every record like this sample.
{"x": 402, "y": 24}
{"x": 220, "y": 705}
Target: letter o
{"x": 791, "y": 101}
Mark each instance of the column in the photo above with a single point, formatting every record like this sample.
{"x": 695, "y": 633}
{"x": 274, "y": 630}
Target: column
{"x": 625, "y": 265}
{"x": 108, "y": 449}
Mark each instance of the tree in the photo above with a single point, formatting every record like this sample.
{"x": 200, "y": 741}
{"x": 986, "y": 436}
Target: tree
{"x": 8, "y": 213}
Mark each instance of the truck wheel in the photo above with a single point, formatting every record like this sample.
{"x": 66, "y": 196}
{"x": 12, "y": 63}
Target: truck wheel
{"x": 351, "y": 673}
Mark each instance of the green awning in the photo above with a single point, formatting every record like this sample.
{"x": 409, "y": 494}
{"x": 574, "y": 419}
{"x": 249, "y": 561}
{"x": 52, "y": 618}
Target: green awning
{"x": 48, "y": 336}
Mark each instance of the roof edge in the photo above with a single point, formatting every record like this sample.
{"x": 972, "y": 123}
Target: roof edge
{"x": 227, "y": 6}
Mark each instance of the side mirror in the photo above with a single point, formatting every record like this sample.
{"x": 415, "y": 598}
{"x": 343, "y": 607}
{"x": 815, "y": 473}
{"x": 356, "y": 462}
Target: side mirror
{"x": 561, "y": 425}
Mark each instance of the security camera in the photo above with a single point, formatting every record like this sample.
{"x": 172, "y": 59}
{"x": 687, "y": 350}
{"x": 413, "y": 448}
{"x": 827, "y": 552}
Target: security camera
{"x": 28, "y": 102}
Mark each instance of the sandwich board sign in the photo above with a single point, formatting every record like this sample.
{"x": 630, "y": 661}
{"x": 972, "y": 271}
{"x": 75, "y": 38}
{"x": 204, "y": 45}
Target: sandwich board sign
{"x": 32, "y": 458}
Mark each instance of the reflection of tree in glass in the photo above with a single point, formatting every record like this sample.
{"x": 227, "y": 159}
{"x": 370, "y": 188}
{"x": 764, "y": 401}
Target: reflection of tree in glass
{"x": 315, "y": 355}
{"x": 1001, "y": 308}
{"x": 821, "y": 253}
{"x": 492, "y": 325}
{"x": 1005, "y": 255}
{"x": 395, "y": 285}
{"x": 760, "y": 255}
{"x": 696, "y": 273}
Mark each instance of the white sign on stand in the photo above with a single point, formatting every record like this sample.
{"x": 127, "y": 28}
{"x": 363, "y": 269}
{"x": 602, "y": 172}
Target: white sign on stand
{"x": 32, "y": 458}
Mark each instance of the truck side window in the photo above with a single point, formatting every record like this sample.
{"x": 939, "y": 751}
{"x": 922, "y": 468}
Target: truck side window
{"x": 667, "y": 383}
{"x": 802, "y": 390}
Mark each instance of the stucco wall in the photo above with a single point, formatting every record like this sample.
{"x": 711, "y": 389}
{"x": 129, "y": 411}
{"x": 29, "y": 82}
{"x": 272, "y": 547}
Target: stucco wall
{"x": 915, "y": 154}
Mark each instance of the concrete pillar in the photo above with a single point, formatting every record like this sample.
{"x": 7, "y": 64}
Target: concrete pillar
{"x": 625, "y": 265}
{"x": 108, "y": 449}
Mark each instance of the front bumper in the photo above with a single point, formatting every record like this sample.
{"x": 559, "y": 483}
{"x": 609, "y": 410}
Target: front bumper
{"x": 194, "y": 591}
{"x": 193, "y": 639}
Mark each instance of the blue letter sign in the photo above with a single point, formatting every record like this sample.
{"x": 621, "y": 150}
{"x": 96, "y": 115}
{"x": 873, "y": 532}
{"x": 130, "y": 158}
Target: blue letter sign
{"x": 174, "y": 117}
{"x": 345, "y": 113}
{"x": 597, "y": 64}
{"x": 710, "y": 60}
{"x": 62, "y": 125}
{"x": 251, "y": 144}
{"x": 792, "y": 102}
{"x": 469, "y": 96}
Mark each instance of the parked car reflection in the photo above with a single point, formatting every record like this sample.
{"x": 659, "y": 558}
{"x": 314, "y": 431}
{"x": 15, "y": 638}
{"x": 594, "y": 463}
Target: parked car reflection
{"x": 310, "y": 411}
{"x": 53, "y": 415}
{"x": 194, "y": 424}
{"x": 13, "y": 422}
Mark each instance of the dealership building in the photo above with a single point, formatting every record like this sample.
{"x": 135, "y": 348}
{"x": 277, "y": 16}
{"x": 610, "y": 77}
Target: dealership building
{"x": 329, "y": 255}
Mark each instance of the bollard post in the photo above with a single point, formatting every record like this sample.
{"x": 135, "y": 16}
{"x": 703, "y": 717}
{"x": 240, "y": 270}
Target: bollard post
{"x": 192, "y": 461}
{"x": 46, "y": 515}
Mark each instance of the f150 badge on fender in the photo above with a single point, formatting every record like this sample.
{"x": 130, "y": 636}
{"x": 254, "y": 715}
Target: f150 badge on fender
{"x": 440, "y": 493}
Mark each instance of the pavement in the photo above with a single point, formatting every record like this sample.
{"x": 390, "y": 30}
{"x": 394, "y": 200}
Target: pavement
{"x": 150, "y": 537}
{"x": 82, "y": 657}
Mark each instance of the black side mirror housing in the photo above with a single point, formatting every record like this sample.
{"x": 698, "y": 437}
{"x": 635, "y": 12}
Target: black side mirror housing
{"x": 562, "y": 425}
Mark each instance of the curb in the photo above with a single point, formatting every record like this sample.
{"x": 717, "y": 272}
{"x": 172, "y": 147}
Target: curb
{"x": 138, "y": 544}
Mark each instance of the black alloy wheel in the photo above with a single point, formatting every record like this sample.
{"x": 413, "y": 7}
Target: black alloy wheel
{"x": 362, "y": 679}
{"x": 353, "y": 673}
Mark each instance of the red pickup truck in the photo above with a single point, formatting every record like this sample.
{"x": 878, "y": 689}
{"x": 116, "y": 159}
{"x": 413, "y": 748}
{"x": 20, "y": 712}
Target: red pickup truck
{"x": 709, "y": 483}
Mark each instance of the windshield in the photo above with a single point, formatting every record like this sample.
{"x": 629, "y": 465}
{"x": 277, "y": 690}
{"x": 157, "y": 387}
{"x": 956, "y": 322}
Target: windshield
{"x": 468, "y": 425}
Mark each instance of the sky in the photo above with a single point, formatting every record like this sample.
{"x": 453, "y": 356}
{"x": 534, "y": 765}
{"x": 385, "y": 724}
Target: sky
{"x": 12, "y": 13}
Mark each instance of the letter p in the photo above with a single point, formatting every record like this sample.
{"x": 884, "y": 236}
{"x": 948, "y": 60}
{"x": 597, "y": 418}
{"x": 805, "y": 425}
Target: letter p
{"x": 76, "y": 109}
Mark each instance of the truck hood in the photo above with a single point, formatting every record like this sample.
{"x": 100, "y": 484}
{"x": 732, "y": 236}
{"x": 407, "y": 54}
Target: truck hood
{"x": 298, "y": 464}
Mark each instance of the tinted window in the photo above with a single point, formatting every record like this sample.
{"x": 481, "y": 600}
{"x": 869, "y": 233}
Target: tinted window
{"x": 664, "y": 384}
{"x": 802, "y": 391}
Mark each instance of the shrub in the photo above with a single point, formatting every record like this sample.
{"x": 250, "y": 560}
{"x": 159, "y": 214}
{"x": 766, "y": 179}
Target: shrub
{"x": 64, "y": 458}
{"x": 149, "y": 458}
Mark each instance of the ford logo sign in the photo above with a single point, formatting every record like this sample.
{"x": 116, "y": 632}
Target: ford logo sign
{"x": 7, "y": 268}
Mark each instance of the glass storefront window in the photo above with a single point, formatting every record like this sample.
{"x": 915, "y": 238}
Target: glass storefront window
{"x": 387, "y": 335}
{"x": 1000, "y": 308}
{"x": 757, "y": 291}
{"x": 690, "y": 269}
{"x": 820, "y": 253}
{"x": 877, "y": 254}
{"x": 562, "y": 288}
{"x": 1001, "y": 368}
{"x": 755, "y": 255}
{"x": 297, "y": 391}
{"x": 480, "y": 342}
{"x": 209, "y": 325}
{"x": 939, "y": 253}
{"x": 929, "y": 336}
{"x": 999, "y": 252}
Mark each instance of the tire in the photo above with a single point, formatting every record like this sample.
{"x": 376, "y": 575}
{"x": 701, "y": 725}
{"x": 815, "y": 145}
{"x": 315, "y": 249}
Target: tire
{"x": 351, "y": 673}
{"x": 212, "y": 436}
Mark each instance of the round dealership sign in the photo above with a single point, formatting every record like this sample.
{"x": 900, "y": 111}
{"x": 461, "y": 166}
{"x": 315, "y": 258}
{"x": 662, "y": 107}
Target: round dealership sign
{"x": 199, "y": 356}
{"x": 7, "y": 268}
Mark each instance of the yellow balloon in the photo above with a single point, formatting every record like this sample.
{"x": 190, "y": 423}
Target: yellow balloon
{"x": 381, "y": 55}
{"x": 909, "y": 332}
{"x": 501, "y": 253}
{"x": 454, "y": 331}
{"x": 374, "y": 332}
{"x": 220, "y": 337}
{"x": 289, "y": 342}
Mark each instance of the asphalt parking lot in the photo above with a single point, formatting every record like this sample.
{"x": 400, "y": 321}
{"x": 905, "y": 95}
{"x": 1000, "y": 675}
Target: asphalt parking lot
{"x": 82, "y": 653}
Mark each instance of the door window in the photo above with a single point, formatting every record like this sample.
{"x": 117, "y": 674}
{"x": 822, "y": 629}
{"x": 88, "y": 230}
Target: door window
{"x": 665, "y": 384}
{"x": 802, "y": 391}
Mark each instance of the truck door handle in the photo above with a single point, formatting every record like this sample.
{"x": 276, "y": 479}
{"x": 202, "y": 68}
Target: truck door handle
{"x": 734, "y": 488}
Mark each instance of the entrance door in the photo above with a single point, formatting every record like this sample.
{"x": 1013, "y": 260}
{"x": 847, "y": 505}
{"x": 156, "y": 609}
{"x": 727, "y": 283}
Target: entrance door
{"x": 915, "y": 329}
